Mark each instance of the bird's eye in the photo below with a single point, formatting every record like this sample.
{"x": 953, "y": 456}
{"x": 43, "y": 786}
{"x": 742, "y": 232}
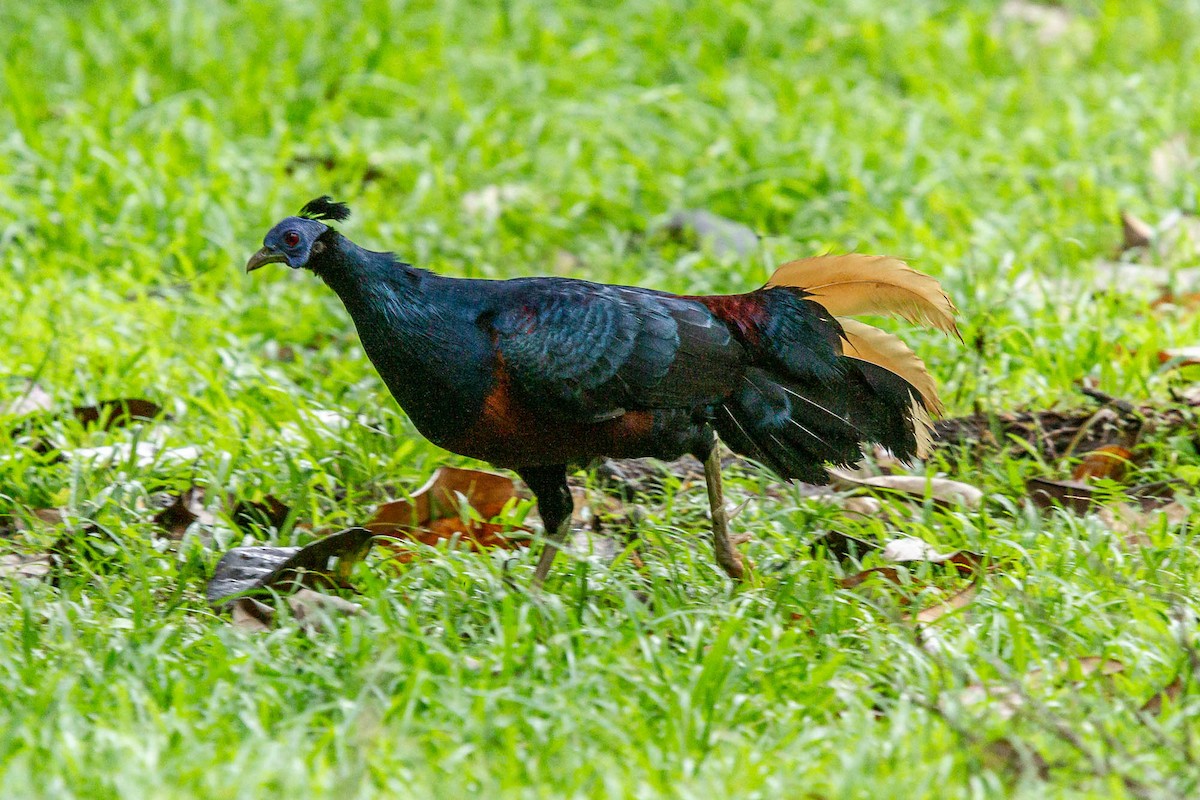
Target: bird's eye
{"x": 291, "y": 238}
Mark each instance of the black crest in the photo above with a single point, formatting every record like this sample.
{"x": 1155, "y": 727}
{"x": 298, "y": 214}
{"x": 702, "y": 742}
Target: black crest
{"x": 325, "y": 207}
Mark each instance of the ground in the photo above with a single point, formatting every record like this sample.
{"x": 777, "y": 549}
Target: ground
{"x": 145, "y": 148}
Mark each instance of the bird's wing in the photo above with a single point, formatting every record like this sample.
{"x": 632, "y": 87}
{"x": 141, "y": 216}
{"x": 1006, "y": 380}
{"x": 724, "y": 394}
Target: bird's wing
{"x": 585, "y": 348}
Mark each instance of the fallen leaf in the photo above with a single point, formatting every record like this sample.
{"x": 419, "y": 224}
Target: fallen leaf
{"x": 942, "y": 491}
{"x": 270, "y": 512}
{"x": 1175, "y": 357}
{"x": 117, "y": 413}
{"x": 1190, "y": 396}
{"x": 842, "y": 546}
{"x": 724, "y": 236}
{"x": 1006, "y": 753}
{"x": 1169, "y": 297}
{"x": 246, "y": 569}
{"x": 1110, "y": 461}
{"x": 1135, "y": 232}
{"x": 889, "y": 574}
{"x": 32, "y": 399}
{"x": 1082, "y": 498}
{"x": 311, "y": 609}
{"x": 185, "y": 508}
{"x": 25, "y": 567}
{"x": 911, "y": 548}
{"x": 19, "y": 521}
{"x": 1131, "y": 521}
{"x": 854, "y": 506}
{"x": 1169, "y": 693}
{"x": 432, "y": 514}
{"x": 252, "y": 615}
{"x": 1006, "y": 700}
{"x": 959, "y": 599}
{"x": 1073, "y": 495}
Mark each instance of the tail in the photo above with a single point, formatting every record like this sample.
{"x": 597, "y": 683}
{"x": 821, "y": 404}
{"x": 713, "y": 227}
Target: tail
{"x": 824, "y": 384}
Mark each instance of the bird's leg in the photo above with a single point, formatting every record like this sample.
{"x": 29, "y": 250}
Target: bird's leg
{"x": 555, "y": 536}
{"x": 549, "y": 486}
{"x": 729, "y": 558}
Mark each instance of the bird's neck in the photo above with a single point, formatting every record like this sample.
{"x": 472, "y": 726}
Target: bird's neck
{"x": 412, "y": 329}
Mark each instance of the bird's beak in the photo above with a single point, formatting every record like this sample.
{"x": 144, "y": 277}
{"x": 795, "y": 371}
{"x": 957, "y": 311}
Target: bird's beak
{"x": 264, "y": 257}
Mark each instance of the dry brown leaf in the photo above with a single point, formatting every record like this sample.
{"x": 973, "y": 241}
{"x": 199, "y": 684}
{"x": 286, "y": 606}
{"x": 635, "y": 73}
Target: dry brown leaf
{"x": 1082, "y": 498}
{"x": 913, "y": 549}
{"x": 117, "y": 413}
{"x": 840, "y": 545}
{"x": 270, "y": 512}
{"x": 959, "y": 599}
{"x": 1169, "y": 693}
{"x": 942, "y": 491}
{"x": 20, "y": 520}
{"x": 312, "y": 608}
{"x": 1131, "y": 521}
{"x": 1135, "y": 232}
{"x": 1073, "y": 495}
{"x": 1111, "y": 461}
{"x": 1169, "y": 297}
{"x": 909, "y": 550}
{"x": 854, "y": 506}
{"x": 252, "y": 615}
{"x": 1006, "y": 700}
{"x": 32, "y": 399}
{"x": 326, "y": 561}
{"x": 432, "y": 515}
{"x": 25, "y": 567}
{"x": 185, "y": 508}
{"x": 1022, "y": 759}
{"x": 889, "y": 574}
{"x": 1175, "y": 357}
{"x": 865, "y": 507}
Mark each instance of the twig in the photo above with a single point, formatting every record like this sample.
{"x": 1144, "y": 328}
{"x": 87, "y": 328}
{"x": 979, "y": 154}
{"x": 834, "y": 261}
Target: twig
{"x": 1124, "y": 406}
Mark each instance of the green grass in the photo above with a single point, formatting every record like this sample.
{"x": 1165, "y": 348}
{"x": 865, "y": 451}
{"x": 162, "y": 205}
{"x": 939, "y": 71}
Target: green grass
{"x": 146, "y": 147}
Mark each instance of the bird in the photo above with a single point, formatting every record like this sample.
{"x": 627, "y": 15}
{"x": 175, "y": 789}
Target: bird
{"x": 541, "y": 375}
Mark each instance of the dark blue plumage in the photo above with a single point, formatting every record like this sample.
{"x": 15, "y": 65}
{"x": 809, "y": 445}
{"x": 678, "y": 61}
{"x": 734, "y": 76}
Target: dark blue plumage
{"x": 535, "y": 374}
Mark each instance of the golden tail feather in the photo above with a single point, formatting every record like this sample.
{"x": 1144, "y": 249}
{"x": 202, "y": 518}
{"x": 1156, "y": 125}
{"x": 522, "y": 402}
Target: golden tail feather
{"x": 883, "y": 349}
{"x": 854, "y": 284}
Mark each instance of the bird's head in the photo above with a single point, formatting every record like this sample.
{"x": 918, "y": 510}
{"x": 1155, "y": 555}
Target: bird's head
{"x": 297, "y": 239}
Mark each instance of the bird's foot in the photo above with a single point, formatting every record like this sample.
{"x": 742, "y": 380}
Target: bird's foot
{"x": 731, "y": 560}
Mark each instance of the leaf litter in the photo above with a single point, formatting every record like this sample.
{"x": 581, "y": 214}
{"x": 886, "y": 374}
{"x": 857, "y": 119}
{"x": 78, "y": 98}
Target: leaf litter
{"x": 184, "y": 510}
{"x": 455, "y": 504}
{"x": 327, "y": 562}
{"x": 311, "y": 610}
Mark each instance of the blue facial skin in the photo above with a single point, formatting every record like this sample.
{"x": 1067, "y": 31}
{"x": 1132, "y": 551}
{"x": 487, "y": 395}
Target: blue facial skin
{"x": 276, "y": 248}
